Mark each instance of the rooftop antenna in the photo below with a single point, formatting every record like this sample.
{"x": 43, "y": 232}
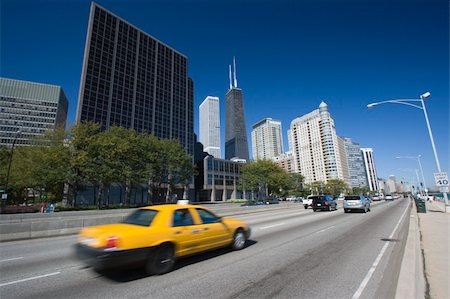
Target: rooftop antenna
{"x": 231, "y": 86}
{"x": 234, "y": 64}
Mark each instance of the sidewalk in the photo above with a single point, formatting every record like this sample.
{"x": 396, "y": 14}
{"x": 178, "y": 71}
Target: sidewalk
{"x": 435, "y": 231}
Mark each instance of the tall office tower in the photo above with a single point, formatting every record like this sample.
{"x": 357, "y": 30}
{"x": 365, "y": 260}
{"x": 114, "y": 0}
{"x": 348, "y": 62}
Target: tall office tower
{"x": 344, "y": 160}
{"x": 391, "y": 185}
{"x": 236, "y": 144}
{"x": 210, "y": 126}
{"x": 355, "y": 164}
{"x": 29, "y": 109}
{"x": 285, "y": 161}
{"x": 371, "y": 171}
{"x": 130, "y": 79}
{"x": 315, "y": 146}
{"x": 267, "y": 140}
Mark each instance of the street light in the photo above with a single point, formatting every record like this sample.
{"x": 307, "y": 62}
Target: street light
{"x": 5, "y": 195}
{"x": 420, "y": 167}
{"x": 422, "y": 107}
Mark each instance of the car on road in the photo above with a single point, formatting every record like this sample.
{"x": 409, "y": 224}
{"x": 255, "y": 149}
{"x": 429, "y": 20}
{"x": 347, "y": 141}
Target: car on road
{"x": 324, "y": 203}
{"x": 376, "y": 197}
{"x": 388, "y": 197}
{"x": 156, "y": 236}
{"x": 308, "y": 201}
{"x": 356, "y": 203}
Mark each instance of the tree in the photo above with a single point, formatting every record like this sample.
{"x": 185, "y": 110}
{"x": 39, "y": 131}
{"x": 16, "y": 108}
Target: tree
{"x": 82, "y": 162}
{"x": 264, "y": 177}
{"x": 336, "y": 187}
{"x": 315, "y": 188}
{"x": 360, "y": 190}
{"x": 297, "y": 184}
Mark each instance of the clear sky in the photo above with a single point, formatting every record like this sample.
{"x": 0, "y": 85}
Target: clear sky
{"x": 290, "y": 56}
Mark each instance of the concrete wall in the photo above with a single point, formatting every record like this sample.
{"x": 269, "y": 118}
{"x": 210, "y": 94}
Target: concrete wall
{"x": 29, "y": 226}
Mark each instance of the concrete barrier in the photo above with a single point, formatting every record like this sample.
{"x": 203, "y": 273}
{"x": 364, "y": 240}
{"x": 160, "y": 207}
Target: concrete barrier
{"x": 57, "y": 224}
{"x": 411, "y": 280}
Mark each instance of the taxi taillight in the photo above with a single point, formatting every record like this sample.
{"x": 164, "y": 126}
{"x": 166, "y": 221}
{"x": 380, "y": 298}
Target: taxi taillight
{"x": 112, "y": 243}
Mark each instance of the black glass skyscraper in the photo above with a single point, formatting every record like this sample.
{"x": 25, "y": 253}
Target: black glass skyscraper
{"x": 132, "y": 80}
{"x": 236, "y": 144}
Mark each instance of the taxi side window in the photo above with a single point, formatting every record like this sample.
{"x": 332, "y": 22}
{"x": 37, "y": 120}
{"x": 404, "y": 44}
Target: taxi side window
{"x": 182, "y": 217}
{"x": 207, "y": 217}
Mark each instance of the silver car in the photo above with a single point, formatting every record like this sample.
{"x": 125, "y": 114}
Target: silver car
{"x": 356, "y": 202}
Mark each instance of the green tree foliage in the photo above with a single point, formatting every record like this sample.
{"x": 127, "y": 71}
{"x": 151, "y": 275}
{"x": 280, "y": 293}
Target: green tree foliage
{"x": 336, "y": 187}
{"x": 332, "y": 187}
{"x": 87, "y": 155}
{"x": 297, "y": 185}
{"x": 265, "y": 178}
{"x": 315, "y": 188}
{"x": 360, "y": 190}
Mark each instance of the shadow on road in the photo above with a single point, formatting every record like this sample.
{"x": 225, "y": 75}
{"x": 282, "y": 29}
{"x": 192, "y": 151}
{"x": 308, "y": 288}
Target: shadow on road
{"x": 122, "y": 275}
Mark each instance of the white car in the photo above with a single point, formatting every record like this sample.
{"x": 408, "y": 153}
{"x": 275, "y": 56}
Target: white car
{"x": 388, "y": 197}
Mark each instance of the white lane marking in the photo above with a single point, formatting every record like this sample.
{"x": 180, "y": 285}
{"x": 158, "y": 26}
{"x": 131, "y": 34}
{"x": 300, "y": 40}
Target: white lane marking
{"x": 274, "y": 225}
{"x": 27, "y": 279}
{"x": 369, "y": 274}
{"x": 12, "y": 259}
{"x": 325, "y": 229}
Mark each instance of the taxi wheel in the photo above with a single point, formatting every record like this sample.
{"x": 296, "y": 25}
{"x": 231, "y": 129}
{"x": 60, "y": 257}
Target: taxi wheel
{"x": 161, "y": 260}
{"x": 239, "y": 240}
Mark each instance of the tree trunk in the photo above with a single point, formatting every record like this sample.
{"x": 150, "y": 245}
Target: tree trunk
{"x": 127, "y": 193}
{"x": 150, "y": 191}
{"x": 169, "y": 188}
{"x": 99, "y": 195}
{"x": 186, "y": 190}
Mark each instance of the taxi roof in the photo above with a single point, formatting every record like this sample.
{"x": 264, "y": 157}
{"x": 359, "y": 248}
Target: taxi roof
{"x": 169, "y": 207}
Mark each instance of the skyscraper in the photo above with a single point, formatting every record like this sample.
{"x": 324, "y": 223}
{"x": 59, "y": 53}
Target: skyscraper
{"x": 371, "y": 171}
{"x": 355, "y": 163}
{"x": 210, "y": 126}
{"x": 315, "y": 146}
{"x": 344, "y": 160}
{"x": 31, "y": 109}
{"x": 267, "y": 140}
{"x": 236, "y": 144}
{"x": 391, "y": 185}
{"x": 133, "y": 80}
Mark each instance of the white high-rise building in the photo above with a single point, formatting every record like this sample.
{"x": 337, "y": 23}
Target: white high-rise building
{"x": 391, "y": 185}
{"x": 267, "y": 141}
{"x": 344, "y": 160}
{"x": 210, "y": 126}
{"x": 371, "y": 171}
{"x": 315, "y": 146}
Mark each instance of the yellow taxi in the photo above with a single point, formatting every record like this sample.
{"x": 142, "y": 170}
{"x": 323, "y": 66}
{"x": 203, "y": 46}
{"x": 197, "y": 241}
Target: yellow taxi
{"x": 155, "y": 236}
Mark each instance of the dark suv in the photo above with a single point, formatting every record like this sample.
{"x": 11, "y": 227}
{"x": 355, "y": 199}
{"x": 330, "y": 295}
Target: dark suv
{"x": 324, "y": 203}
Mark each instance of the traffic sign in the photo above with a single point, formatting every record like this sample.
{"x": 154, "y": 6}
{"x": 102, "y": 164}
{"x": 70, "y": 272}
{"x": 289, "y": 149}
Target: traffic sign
{"x": 443, "y": 189}
{"x": 5, "y": 196}
{"x": 441, "y": 179}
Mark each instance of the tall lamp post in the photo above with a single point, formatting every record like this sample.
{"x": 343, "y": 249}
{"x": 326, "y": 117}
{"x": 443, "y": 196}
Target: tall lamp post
{"x": 420, "y": 167}
{"x": 409, "y": 102}
{"x": 5, "y": 195}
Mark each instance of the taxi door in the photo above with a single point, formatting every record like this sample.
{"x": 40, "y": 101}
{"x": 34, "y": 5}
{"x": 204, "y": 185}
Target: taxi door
{"x": 214, "y": 232}
{"x": 185, "y": 232}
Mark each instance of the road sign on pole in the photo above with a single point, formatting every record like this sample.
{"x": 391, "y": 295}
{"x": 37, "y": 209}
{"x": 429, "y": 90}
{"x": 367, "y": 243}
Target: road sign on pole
{"x": 441, "y": 179}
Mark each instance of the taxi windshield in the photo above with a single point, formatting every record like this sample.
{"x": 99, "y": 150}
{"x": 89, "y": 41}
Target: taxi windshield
{"x": 142, "y": 217}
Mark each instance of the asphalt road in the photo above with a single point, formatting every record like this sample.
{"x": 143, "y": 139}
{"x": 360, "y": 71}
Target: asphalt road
{"x": 292, "y": 253}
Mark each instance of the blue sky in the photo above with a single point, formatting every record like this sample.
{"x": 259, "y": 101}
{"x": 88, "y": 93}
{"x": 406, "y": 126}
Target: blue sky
{"x": 290, "y": 56}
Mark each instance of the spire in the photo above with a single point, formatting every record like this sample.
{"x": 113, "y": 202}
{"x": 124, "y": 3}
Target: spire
{"x": 229, "y": 67}
{"x": 234, "y": 64}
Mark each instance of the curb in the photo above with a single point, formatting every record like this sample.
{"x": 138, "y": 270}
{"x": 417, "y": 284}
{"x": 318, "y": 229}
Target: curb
{"x": 411, "y": 280}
